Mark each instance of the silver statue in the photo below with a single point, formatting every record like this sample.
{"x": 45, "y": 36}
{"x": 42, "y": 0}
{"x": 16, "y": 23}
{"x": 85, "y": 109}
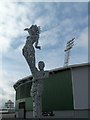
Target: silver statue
{"x": 28, "y": 50}
{"x": 38, "y": 75}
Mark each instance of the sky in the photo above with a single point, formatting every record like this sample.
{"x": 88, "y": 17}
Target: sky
{"x": 59, "y": 23}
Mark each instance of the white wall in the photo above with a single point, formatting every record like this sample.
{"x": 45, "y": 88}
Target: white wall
{"x": 80, "y": 87}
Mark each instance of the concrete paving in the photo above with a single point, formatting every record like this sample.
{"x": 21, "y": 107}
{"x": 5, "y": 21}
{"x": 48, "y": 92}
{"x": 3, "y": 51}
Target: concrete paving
{"x": 58, "y": 114}
{"x": 8, "y": 115}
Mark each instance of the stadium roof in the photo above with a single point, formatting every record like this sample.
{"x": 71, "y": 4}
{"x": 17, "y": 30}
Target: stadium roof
{"x": 53, "y": 71}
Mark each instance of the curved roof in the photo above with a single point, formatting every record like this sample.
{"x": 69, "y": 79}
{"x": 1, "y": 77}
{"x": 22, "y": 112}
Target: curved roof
{"x": 53, "y": 71}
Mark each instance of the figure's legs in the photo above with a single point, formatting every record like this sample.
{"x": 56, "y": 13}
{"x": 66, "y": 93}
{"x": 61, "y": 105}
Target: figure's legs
{"x": 34, "y": 99}
{"x": 39, "y": 95}
{"x": 30, "y": 58}
{"x": 37, "y": 107}
{"x": 37, "y": 102}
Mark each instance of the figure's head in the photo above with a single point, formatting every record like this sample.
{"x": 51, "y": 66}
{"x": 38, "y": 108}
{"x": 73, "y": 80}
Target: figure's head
{"x": 41, "y": 65}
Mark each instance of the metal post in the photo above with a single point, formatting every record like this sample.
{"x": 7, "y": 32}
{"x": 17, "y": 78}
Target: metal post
{"x": 69, "y": 46}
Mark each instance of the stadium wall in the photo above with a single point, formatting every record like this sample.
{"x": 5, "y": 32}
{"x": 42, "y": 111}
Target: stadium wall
{"x": 65, "y": 89}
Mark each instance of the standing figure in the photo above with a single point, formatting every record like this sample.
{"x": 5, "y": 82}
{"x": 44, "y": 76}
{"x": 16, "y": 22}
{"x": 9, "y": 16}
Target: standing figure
{"x": 38, "y": 75}
{"x": 37, "y": 90}
{"x": 28, "y": 50}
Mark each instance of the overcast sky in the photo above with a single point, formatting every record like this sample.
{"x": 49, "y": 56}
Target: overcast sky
{"x": 60, "y": 22}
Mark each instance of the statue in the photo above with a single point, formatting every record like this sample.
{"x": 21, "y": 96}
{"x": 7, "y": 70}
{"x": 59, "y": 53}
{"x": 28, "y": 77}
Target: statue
{"x": 38, "y": 75}
{"x": 28, "y": 50}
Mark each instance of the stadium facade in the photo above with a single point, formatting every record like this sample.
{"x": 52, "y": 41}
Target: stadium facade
{"x": 65, "y": 89}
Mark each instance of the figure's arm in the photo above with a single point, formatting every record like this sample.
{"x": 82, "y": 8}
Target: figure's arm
{"x": 36, "y": 45}
{"x": 26, "y": 29}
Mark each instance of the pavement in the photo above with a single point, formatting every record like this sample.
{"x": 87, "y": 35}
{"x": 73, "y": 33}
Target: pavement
{"x": 12, "y": 115}
{"x": 58, "y": 115}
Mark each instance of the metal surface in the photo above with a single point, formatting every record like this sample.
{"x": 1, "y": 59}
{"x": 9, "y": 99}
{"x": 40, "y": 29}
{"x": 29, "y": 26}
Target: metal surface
{"x": 38, "y": 75}
{"x": 69, "y": 46}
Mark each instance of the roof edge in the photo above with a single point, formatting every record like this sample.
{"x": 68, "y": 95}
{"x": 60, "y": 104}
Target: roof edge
{"x": 29, "y": 78}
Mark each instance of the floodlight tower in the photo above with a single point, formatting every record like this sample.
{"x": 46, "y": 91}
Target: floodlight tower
{"x": 69, "y": 46}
